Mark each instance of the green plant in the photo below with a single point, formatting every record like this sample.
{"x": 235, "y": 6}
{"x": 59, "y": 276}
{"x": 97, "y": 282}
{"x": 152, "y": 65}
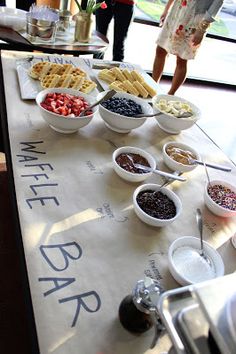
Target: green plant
{"x": 92, "y": 6}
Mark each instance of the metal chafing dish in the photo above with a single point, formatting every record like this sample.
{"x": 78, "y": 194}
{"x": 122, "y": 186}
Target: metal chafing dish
{"x": 196, "y": 318}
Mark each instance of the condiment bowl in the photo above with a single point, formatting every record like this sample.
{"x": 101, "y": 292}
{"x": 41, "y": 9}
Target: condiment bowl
{"x": 120, "y": 123}
{"x": 148, "y": 219}
{"x": 168, "y": 122}
{"x": 129, "y": 176}
{"x": 60, "y": 123}
{"x": 213, "y": 206}
{"x": 186, "y": 264}
{"x": 172, "y": 163}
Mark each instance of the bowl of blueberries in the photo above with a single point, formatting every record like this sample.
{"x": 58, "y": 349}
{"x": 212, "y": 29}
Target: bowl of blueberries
{"x": 119, "y": 112}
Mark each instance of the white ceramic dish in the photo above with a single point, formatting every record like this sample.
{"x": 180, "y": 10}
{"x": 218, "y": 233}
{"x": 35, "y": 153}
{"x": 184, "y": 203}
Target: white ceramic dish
{"x": 61, "y": 124}
{"x": 120, "y": 123}
{"x": 213, "y": 206}
{"x": 129, "y": 176}
{"x": 177, "y": 166}
{"x": 171, "y": 124}
{"x": 149, "y": 219}
{"x": 187, "y": 266}
{"x": 29, "y": 88}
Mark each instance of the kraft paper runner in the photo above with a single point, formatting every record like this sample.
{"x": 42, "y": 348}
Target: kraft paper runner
{"x": 85, "y": 248}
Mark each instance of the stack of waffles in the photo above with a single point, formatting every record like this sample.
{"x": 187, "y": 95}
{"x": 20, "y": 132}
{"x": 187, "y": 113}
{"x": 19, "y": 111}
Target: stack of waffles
{"x": 53, "y": 75}
{"x": 127, "y": 81}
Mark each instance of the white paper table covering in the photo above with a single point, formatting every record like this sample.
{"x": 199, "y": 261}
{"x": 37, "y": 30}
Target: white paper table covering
{"x": 95, "y": 212}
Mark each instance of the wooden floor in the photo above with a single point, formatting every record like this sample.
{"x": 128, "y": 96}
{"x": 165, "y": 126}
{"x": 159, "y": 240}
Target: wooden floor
{"x": 218, "y": 120}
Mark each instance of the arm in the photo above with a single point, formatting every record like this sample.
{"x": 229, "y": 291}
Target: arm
{"x": 206, "y": 21}
{"x": 165, "y": 12}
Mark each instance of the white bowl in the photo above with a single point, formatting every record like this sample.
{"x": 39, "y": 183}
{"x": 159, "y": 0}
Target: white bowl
{"x": 213, "y": 206}
{"x": 187, "y": 266}
{"x": 170, "y": 123}
{"x": 149, "y": 219}
{"x": 129, "y": 176}
{"x": 178, "y": 166}
{"x": 120, "y": 123}
{"x": 61, "y": 124}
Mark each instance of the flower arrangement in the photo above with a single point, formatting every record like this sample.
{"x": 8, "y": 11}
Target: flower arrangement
{"x": 92, "y": 6}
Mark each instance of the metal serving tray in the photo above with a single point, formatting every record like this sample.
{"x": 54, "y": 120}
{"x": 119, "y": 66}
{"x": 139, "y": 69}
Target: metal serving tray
{"x": 189, "y": 313}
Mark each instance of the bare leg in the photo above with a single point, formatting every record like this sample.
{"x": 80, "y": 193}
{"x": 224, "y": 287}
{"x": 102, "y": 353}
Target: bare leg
{"x": 159, "y": 63}
{"x": 179, "y": 75}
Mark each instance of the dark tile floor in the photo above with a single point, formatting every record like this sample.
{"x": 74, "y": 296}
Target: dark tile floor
{"x": 14, "y": 333}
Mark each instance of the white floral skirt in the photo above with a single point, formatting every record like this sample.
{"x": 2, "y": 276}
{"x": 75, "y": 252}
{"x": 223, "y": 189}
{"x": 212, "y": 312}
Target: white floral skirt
{"x": 178, "y": 29}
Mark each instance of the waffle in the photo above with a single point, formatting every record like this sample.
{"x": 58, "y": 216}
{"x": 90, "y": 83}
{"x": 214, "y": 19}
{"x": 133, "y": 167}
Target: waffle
{"x": 88, "y": 86}
{"x": 128, "y": 75}
{"x": 117, "y": 86}
{"x": 65, "y": 81}
{"x": 127, "y": 81}
{"x": 70, "y": 69}
{"x": 40, "y": 70}
{"x": 130, "y": 88}
{"x": 136, "y": 76}
{"x": 139, "y": 87}
{"x": 149, "y": 89}
{"x": 37, "y": 68}
{"x": 106, "y": 75}
{"x": 118, "y": 74}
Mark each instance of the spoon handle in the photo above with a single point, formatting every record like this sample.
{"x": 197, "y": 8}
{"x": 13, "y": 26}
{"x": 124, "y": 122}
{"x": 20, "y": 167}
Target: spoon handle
{"x": 212, "y": 165}
{"x": 108, "y": 95}
{"x": 169, "y": 175}
{"x": 200, "y": 227}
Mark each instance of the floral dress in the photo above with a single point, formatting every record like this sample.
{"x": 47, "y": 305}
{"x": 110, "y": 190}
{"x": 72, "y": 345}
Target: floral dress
{"x": 181, "y": 23}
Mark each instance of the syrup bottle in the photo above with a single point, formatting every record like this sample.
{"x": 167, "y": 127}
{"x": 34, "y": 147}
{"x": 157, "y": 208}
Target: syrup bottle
{"x": 138, "y": 311}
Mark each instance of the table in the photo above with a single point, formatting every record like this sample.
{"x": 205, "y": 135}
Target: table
{"x": 16, "y": 41}
{"x": 83, "y": 248}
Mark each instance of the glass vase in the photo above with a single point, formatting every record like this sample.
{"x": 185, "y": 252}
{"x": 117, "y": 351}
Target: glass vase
{"x": 83, "y": 27}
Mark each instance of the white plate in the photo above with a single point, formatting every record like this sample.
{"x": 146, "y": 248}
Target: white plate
{"x": 149, "y": 80}
{"x": 29, "y": 88}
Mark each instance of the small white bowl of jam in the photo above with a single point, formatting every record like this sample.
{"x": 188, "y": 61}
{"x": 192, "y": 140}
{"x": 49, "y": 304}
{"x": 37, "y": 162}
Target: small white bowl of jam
{"x": 177, "y": 156}
{"x": 124, "y": 159}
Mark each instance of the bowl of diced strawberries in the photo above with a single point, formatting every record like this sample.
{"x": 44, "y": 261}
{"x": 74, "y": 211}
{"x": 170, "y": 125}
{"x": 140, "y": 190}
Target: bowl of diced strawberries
{"x": 62, "y": 109}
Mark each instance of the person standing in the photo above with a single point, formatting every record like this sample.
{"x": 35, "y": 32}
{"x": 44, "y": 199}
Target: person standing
{"x": 122, "y": 13}
{"x": 185, "y": 23}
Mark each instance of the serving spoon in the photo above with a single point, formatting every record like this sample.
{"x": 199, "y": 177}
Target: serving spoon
{"x": 181, "y": 115}
{"x": 216, "y": 166}
{"x": 200, "y": 228}
{"x": 159, "y": 172}
{"x": 108, "y": 95}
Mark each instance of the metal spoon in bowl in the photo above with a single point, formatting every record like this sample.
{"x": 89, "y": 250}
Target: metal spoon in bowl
{"x": 181, "y": 115}
{"x": 217, "y": 167}
{"x": 108, "y": 95}
{"x": 200, "y": 228}
{"x": 159, "y": 172}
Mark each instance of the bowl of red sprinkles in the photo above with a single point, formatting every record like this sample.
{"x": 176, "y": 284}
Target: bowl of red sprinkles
{"x": 220, "y": 198}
